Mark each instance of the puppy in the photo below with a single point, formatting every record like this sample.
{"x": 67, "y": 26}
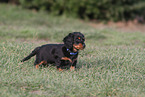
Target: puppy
{"x": 59, "y": 54}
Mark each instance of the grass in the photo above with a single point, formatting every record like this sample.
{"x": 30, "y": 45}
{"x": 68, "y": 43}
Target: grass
{"x": 111, "y": 65}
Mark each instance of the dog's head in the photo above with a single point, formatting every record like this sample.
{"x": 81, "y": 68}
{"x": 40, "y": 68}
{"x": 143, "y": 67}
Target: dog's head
{"x": 74, "y": 41}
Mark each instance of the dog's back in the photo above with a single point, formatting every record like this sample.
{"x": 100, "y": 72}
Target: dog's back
{"x": 46, "y": 52}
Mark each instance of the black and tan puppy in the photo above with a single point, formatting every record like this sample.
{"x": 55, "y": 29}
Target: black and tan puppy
{"x": 59, "y": 54}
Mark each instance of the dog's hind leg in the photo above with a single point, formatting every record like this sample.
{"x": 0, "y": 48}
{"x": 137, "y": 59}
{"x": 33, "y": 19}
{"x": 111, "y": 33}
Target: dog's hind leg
{"x": 42, "y": 62}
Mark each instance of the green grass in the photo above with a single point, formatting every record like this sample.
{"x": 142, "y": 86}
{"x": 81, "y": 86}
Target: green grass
{"x": 111, "y": 65}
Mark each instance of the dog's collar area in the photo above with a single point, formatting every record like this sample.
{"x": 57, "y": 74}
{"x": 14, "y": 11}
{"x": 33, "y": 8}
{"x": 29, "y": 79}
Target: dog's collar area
{"x": 72, "y": 53}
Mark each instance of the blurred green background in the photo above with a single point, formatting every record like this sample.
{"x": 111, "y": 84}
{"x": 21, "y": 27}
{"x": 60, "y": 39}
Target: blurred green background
{"x": 104, "y": 10}
{"x": 111, "y": 65}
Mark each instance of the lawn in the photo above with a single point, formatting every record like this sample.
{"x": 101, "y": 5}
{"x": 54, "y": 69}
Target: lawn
{"x": 112, "y": 64}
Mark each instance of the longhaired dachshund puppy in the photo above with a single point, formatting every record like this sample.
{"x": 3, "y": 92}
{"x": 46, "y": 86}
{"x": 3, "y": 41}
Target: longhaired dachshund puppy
{"x": 59, "y": 54}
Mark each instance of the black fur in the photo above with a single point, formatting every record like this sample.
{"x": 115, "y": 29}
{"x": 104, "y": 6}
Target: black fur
{"x": 59, "y": 54}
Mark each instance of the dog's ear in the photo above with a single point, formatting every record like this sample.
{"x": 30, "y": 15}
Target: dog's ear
{"x": 68, "y": 41}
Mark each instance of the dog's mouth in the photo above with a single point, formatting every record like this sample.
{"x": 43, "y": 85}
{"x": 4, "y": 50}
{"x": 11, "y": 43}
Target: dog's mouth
{"x": 77, "y": 47}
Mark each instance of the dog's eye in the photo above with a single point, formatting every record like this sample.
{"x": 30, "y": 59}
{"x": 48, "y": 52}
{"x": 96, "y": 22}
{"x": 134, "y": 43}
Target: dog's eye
{"x": 79, "y": 38}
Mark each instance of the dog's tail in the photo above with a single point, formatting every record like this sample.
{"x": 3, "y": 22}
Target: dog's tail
{"x": 33, "y": 53}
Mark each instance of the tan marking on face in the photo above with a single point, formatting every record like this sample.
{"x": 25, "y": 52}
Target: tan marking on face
{"x": 78, "y": 46}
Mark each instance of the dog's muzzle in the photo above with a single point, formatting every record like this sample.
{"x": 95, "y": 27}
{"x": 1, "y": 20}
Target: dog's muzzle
{"x": 79, "y": 46}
